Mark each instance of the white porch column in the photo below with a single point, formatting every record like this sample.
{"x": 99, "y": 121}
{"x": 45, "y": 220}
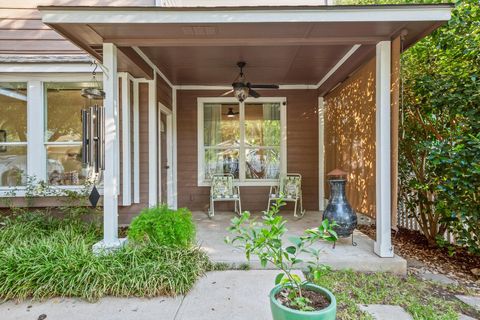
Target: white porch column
{"x": 383, "y": 244}
{"x": 110, "y": 192}
{"x": 152, "y": 143}
{"x": 321, "y": 154}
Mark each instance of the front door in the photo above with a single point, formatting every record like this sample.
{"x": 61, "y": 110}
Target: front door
{"x": 165, "y": 156}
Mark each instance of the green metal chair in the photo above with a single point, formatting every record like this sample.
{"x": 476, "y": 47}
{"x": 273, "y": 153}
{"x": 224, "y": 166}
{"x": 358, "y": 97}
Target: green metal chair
{"x": 290, "y": 190}
{"x": 223, "y": 188}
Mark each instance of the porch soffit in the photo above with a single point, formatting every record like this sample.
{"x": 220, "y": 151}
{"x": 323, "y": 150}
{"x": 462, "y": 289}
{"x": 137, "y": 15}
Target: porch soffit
{"x": 280, "y": 44}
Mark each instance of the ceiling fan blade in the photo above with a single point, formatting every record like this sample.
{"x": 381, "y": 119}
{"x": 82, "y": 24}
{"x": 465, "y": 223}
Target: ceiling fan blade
{"x": 264, "y": 86}
{"x": 227, "y": 93}
{"x": 253, "y": 93}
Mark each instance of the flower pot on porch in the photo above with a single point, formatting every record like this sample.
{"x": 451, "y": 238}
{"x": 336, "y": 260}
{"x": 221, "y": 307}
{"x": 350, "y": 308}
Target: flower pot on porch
{"x": 281, "y": 312}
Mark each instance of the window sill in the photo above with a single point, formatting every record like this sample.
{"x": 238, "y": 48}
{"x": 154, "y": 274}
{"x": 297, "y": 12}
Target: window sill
{"x": 6, "y": 192}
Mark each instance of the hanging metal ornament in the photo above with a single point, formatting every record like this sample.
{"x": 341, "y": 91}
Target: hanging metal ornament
{"x": 94, "y": 92}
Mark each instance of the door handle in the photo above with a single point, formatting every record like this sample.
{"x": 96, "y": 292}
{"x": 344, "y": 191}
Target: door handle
{"x": 167, "y": 167}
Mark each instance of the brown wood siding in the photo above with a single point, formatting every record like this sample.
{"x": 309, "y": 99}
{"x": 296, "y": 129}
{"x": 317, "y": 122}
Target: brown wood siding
{"x": 302, "y": 150}
{"x": 350, "y": 134}
{"x": 22, "y": 31}
{"x": 164, "y": 92}
{"x": 127, "y": 213}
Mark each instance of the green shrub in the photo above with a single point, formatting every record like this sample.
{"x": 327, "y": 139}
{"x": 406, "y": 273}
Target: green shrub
{"x": 163, "y": 226}
{"x": 43, "y": 257}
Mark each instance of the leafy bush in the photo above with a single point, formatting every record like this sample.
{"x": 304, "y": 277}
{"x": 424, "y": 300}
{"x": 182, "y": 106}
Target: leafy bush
{"x": 163, "y": 226}
{"x": 439, "y": 147}
{"x": 43, "y": 257}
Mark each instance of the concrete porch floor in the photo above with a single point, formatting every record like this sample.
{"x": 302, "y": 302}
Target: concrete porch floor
{"x": 212, "y": 232}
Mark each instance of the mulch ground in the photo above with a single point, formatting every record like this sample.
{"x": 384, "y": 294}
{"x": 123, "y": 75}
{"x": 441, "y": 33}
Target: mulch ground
{"x": 413, "y": 246}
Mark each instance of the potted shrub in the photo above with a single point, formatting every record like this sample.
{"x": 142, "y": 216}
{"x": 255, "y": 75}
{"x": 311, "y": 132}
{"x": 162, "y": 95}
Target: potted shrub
{"x": 291, "y": 298}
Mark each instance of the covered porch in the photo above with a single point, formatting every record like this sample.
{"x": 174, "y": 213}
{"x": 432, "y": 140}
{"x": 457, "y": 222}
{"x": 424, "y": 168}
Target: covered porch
{"x": 211, "y": 234}
{"x": 337, "y": 68}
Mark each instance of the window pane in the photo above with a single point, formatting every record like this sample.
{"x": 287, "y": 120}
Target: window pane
{"x": 13, "y": 165}
{"x": 221, "y": 161}
{"x": 262, "y": 124}
{"x": 221, "y": 125}
{"x": 13, "y": 112}
{"x": 63, "y": 105}
{"x": 65, "y": 165}
{"x": 262, "y": 163}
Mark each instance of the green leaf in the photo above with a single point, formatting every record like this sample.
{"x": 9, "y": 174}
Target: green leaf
{"x": 291, "y": 249}
{"x": 279, "y": 278}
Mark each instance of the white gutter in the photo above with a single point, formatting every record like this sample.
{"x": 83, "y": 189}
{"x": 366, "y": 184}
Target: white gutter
{"x": 241, "y": 15}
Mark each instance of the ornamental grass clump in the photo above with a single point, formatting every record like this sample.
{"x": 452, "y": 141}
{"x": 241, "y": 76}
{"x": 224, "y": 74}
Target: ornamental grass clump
{"x": 163, "y": 226}
{"x": 265, "y": 240}
{"x": 43, "y": 257}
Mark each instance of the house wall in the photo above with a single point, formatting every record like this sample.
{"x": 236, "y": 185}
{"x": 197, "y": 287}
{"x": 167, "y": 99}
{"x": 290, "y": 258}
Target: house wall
{"x": 22, "y": 31}
{"x": 302, "y": 150}
{"x": 350, "y": 134}
{"x": 164, "y": 95}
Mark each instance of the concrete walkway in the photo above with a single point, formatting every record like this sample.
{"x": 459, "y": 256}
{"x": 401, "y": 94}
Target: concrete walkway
{"x": 212, "y": 232}
{"x": 220, "y": 295}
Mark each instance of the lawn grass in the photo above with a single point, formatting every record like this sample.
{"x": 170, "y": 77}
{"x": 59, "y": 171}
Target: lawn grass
{"x": 422, "y": 299}
{"x": 43, "y": 257}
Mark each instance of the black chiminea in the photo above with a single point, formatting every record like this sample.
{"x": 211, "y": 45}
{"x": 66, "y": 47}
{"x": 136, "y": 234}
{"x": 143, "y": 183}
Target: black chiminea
{"x": 338, "y": 208}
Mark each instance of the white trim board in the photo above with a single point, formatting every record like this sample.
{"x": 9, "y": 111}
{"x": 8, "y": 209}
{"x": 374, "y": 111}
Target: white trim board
{"x": 126, "y": 141}
{"x": 45, "y": 67}
{"x": 136, "y": 142}
{"x": 152, "y": 65}
{"x": 248, "y": 15}
{"x": 152, "y": 143}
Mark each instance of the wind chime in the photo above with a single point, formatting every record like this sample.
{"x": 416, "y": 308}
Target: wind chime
{"x": 93, "y": 132}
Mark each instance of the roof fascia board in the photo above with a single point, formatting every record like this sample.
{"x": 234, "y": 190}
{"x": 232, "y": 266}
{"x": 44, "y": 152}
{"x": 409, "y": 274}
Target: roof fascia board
{"x": 47, "y": 67}
{"x": 123, "y": 16}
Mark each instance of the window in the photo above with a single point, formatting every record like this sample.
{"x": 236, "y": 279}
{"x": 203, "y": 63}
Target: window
{"x": 13, "y": 134}
{"x": 244, "y": 139}
{"x": 63, "y": 133}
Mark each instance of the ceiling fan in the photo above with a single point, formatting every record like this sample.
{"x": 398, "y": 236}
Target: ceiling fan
{"x": 243, "y": 89}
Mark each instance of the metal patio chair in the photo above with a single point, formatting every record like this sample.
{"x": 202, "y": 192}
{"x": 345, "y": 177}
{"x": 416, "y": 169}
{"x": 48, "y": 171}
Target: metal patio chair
{"x": 290, "y": 190}
{"x": 223, "y": 188}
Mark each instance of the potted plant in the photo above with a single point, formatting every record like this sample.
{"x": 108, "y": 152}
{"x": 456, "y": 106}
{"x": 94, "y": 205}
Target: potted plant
{"x": 291, "y": 298}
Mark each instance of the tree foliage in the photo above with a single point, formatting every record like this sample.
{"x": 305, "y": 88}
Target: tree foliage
{"x": 440, "y": 132}
{"x": 439, "y": 164}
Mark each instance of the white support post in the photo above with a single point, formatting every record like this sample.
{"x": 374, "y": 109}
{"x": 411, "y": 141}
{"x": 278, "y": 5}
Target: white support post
{"x": 152, "y": 143}
{"x": 110, "y": 191}
{"x": 174, "y": 148}
{"x": 136, "y": 144}
{"x": 321, "y": 154}
{"x": 36, "y": 155}
{"x": 126, "y": 162}
{"x": 383, "y": 244}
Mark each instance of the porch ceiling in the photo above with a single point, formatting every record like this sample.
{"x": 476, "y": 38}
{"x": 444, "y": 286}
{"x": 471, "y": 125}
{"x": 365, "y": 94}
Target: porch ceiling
{"x": 200, "y": 46}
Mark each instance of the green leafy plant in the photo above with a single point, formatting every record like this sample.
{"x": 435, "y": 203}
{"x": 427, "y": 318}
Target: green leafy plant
{"x": 163, "y": 226}
{"x": 43, "y": 257}
{"x": 265, "y": 240}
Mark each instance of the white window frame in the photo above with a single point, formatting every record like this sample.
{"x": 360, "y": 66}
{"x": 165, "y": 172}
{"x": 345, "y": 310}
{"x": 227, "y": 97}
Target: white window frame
{"x": 242, "y": 181}
{"x": 36, "y": 145}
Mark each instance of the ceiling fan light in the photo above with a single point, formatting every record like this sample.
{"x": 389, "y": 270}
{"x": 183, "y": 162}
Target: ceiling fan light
{"x": 241, "y": 93}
